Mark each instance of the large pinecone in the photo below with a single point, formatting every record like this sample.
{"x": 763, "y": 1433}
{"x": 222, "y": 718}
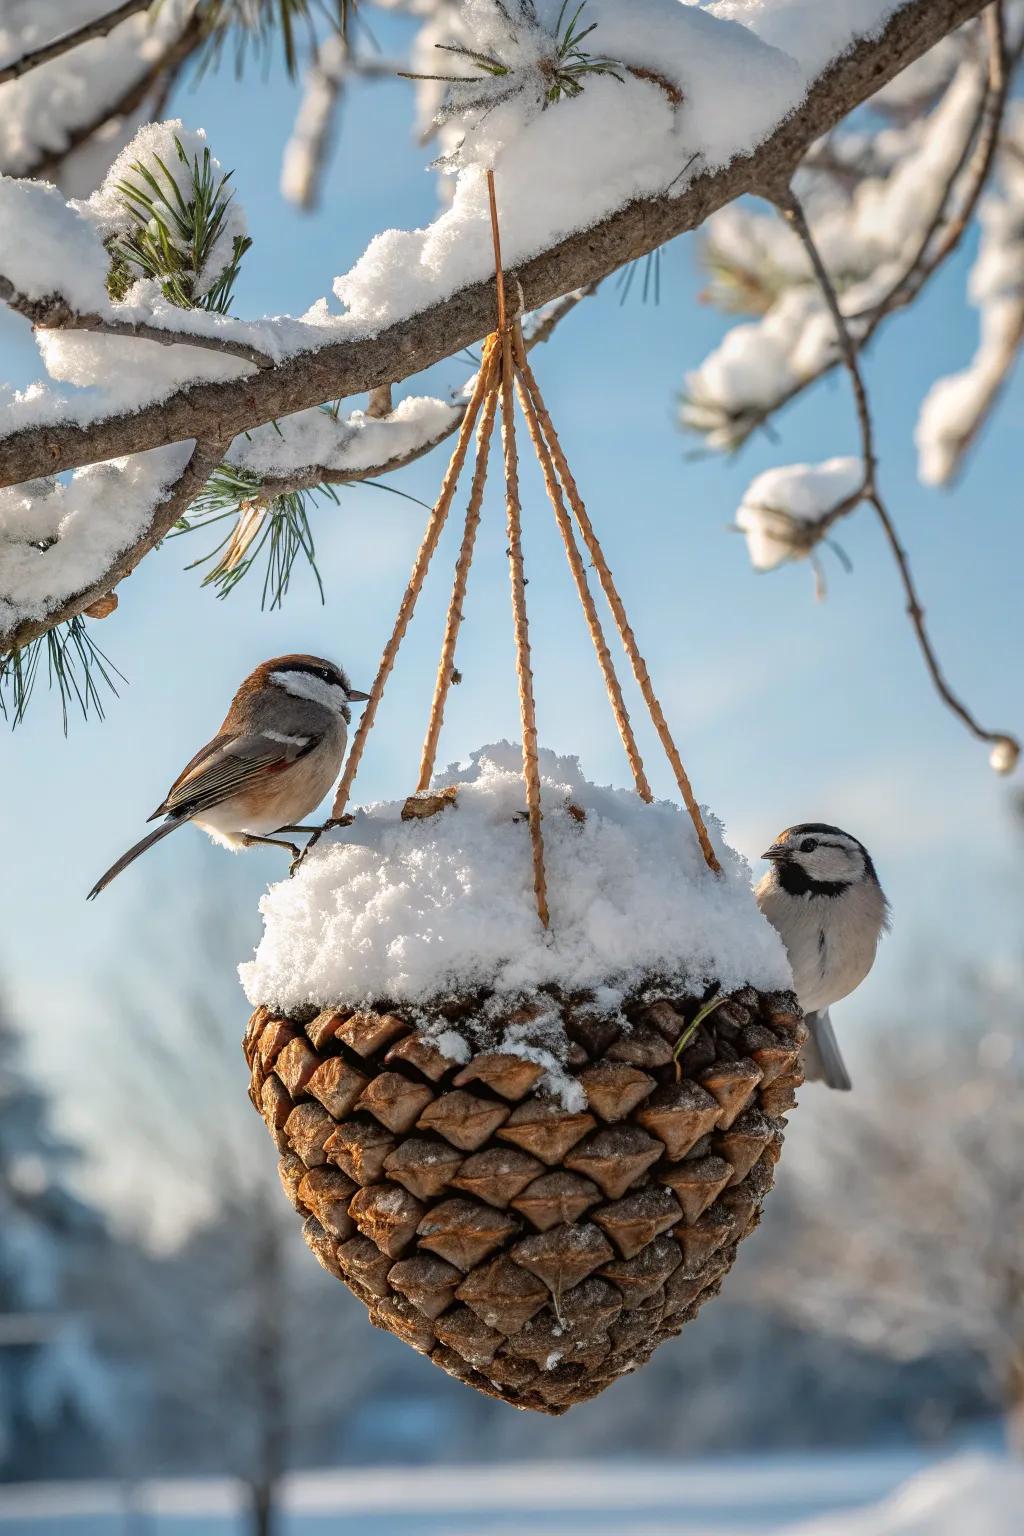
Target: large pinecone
{"x": 534, "y": 1252}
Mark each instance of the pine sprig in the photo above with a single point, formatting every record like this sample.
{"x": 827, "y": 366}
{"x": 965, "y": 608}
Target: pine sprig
{"x": 275, "y": 530}
{"x": 545, "y": 74}
{"x": 174, "y": 235}
{"x": 75, "y": 665}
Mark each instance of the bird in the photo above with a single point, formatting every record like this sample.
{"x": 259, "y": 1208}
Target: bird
{"x": 273, "y": 760}
{"x": 823, "y": 896}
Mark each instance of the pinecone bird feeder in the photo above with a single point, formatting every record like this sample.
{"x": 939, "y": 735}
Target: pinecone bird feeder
{"x": 530, "y": 1145}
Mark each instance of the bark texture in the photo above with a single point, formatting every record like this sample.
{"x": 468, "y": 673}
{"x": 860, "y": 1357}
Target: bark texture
{"x": 223, "y": 409}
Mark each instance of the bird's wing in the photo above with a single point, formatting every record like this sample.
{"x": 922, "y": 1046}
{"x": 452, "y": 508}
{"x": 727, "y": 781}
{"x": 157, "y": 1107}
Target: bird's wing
{"x": 227, "y": 766}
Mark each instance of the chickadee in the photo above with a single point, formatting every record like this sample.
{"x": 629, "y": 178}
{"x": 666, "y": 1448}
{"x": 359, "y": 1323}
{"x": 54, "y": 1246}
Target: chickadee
{"x": 271, "y": 763}
{"x": 822, "y": 895}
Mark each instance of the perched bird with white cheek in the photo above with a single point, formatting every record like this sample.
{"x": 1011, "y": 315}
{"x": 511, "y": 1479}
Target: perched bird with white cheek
{"x": 823, "y": 896}
{"x": 273, "y": 760}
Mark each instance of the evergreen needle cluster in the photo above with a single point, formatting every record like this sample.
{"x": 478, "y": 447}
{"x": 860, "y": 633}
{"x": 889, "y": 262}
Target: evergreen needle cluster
{"x": 75, "y": 665}
{"x": 276, "y": 529}
{"x": 174, "y": 235}
{"x": 551, "y": 64}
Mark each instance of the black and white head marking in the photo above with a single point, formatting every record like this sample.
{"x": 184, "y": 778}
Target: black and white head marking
{"x": 814, "y": 858}
{"x": 319, "y": 681}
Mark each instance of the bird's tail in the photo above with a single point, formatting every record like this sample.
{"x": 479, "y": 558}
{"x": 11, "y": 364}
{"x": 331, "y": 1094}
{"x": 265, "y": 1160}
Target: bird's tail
{"x": 822, "y": 1058}
{"x": 134, "y": 852}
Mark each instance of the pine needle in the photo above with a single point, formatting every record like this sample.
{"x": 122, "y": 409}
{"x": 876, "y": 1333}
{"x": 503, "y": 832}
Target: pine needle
{"x": 173, "y": 236}
{"x": 75, "y": 665}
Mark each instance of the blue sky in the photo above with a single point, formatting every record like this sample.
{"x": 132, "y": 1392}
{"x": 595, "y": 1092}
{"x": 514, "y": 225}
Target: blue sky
{"x": 785, "y": 709}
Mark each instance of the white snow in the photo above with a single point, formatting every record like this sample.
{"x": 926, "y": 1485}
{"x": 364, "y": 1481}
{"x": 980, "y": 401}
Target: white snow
{"x": 811, "y": 33}
{"x": 955, "y": 406}
{"x": 565, "y": 168}
{"x": 867, "y": 241}
{"x": 971, "y": 1494}
{"x": 49, "y": 247}
{"x": 81, "y": 525}
{"x": 355, "y": 442}
{"x": 558, "y": 170}
{"x": 413, "y": 910}
{"x": 778, "y": 505}
{"x": 40, "y": 112}
{"x": 735, "y": 1497}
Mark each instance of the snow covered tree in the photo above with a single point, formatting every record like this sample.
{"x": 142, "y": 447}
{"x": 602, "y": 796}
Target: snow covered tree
{"x": 611, "y": 129}
{"x": 53, "y": 1385}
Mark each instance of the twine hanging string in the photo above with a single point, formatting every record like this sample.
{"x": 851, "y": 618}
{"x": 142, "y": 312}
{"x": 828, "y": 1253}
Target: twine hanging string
{"x": 615, "y": 603}
{"x": 527, "y": 709}
{"x": 504, "y": 372}
{"x": 579, "y": 574}
{"x": 446, "y": 666}
{"x": 435, "y": 526}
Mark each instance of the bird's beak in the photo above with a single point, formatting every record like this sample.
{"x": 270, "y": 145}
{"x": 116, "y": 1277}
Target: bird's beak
{"x": 777, "y": 852}
{"x": 356, "y": 696}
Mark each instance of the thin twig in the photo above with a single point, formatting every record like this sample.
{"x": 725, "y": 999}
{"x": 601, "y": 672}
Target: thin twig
{"x": 55, "y": 314}
{"x": 793, "y": 212}
{"x": 84, "y": 34}
{"x": 165, "y": 69}
{"x": 984, "y": 138}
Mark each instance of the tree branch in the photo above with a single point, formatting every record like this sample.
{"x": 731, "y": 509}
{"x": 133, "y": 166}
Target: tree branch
{"x": 48, "y": 163}
{"x": 84, "y": 34}
{"x": 205, "y": 458}
{"x": 794, "y": 215}
{"x": 354, "y": 367}
{"x": 54, "y": 314}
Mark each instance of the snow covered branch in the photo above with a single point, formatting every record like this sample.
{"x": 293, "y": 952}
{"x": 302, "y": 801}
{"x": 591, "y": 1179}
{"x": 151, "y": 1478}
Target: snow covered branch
{"x": 104, "y": 521}
{"x": 98, "y": 27}
{"x": 53, "y": 313}
{"x": 369, "y": 354}
{"x": 1005, "y": 748}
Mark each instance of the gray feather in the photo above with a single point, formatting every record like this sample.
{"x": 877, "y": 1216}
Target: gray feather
{"x": 822, "y": 1058}
{"x": 133, "y": 853}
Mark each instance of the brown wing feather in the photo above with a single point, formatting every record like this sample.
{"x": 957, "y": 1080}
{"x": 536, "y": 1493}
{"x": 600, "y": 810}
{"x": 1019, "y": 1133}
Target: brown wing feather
{"x": 227, "y": 766}
{"x": 211, "y": 749}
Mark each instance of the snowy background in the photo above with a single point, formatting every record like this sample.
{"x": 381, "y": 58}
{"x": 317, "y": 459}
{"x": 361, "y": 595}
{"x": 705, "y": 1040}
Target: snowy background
{"x": 126, "y": 1356}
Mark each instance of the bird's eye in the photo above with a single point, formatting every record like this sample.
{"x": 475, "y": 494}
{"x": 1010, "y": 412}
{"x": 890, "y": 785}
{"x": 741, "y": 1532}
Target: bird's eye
{"x": 808, "y": 845}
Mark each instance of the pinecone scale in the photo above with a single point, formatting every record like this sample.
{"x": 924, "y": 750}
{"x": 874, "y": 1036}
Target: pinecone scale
{"x": 534, "y": 1251}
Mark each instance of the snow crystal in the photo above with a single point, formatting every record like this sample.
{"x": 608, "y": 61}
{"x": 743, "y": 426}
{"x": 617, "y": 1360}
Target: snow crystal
{"x": 410, "y": 910}
{"x": 777, "y": 502}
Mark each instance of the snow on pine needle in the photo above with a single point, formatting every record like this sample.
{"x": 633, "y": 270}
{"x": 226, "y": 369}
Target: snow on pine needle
{"x": 169, "y": 215}
{"x": 787, "y": 512}
{"x": 516, "y": 57}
